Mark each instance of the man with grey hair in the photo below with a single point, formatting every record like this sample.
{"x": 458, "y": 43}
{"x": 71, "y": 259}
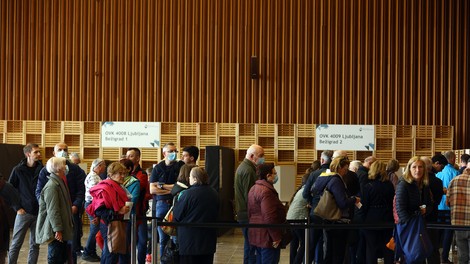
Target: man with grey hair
{"x": 447, "y": 174}
{"x": 363, "y": 171}
{"x": 162, "y": 179}
{"x": 245, "y": 178}
{"x": 316, "y": 235}
{"x": 75, "y": 158}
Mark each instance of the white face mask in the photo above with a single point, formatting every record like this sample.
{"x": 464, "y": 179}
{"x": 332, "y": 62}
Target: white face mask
{"x": 61, "y": 154}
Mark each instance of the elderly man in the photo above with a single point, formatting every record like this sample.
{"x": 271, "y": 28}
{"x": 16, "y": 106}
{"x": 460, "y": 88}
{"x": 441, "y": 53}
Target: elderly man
{"x": 245, "y": 178}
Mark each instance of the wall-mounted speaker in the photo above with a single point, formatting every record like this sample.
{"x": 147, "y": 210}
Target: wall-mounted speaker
{"x": 254, "y": 68}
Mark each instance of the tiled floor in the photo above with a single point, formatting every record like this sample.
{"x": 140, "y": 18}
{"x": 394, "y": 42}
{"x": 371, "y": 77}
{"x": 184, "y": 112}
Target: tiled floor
{"x": 229, "y": 250}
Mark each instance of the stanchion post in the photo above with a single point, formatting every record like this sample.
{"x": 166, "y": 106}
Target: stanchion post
{"x": 133, "y": 238}
{"x": 307, "y": 241}
{"x": 154, "y": 241}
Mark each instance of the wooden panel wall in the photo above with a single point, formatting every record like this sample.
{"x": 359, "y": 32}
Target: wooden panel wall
{"x": 396, "y": 62}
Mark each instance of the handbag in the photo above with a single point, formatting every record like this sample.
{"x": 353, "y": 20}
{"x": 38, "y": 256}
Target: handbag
{"x": 327, "y": 207}
{"x": 169, "y": 230}
{"x": 170, "y": 253}
{"x": 412, "y": 240}
{"x": 117, "y": 237}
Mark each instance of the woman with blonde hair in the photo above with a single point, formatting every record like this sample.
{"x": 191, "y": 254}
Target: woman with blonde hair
{"x": 377, "y": 207}
{"x": 413, "y": 196}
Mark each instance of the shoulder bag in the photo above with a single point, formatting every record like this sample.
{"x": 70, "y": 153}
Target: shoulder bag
{"x": 117, "y": 237}
{"x": 327, "y": 207}
{"x": 412, "y": 240}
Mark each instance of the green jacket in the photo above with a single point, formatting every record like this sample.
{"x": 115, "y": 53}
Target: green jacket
{"x": 55, "y": 211}
{"x": 245, "y": 178}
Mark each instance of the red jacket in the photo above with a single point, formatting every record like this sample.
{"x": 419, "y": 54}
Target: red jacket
{"x": 108, "y": 193}
{"x": 264, "y": 207}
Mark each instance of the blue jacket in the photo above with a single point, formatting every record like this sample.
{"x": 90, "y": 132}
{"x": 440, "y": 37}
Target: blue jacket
{"x": 337, "y": 187}
{"x": 75, "y": 182}
{"x": 313, "y": 198}
{"x": 446, "y": 175}
{"x": 25, "y": 180}
{"x": 198, "y": 204}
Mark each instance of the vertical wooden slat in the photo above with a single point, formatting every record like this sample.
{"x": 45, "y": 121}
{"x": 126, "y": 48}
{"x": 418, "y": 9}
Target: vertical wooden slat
{"x": 396, "y": 62}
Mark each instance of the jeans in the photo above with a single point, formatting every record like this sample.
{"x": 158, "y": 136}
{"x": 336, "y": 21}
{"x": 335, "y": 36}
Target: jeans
{"x": 267, "y": 255}
{"x": 142, "y": 241}
{"x": 462, "y": 239}
{"x": 22, "y": 223}
{"x": 57, "y": 252}
{"x": 162, "y": 208}
{"x": 106, "y": 256}
{"x": 90, "y": 247}
{"x": 446, "y": 234}
{"x": 249, "y": 251}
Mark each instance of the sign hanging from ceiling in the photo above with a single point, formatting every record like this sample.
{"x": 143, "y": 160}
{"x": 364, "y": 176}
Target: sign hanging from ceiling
{"x": 130, "y": 134}
{"x": 345, "y": 137}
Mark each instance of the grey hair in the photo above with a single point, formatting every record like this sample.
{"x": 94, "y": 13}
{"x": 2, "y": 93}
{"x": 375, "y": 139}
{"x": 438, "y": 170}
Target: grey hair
{"x": 54, "y": 164}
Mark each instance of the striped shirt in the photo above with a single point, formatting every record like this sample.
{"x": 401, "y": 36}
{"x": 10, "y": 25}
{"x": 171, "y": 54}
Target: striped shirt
{"x": 458, "y": 195}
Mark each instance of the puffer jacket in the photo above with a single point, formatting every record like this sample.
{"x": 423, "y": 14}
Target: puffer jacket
{"x": 264, "y": 207}
{"x": 409, "y": 199}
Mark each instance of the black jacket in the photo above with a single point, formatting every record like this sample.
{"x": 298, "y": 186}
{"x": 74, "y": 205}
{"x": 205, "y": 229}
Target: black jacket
{"x": 25, "y": 179}
{"x": 409, "y": 199}
{"x": 198, "y": 204}
{"x": 377, "y": 202}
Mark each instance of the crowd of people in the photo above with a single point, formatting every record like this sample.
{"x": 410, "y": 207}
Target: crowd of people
{"x": 50, "y": 201}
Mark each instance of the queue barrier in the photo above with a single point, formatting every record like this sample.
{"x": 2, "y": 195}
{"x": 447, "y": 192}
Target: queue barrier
{"x": 292, "y": 224}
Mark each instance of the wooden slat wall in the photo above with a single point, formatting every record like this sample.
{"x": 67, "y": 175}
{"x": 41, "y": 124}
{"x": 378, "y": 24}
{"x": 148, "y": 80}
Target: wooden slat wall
{"x": 384, "y": 62}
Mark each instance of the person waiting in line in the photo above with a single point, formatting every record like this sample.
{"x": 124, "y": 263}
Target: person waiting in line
{"x": 9, "y": 197}
{"x": 377, "y": 207}
{"x": 24, "y": 178}
{"x": 392, "y": 167}
{"x": 413, "y": 191}
{"x": 197, "y": 204}
{"x": 264, "y": 207}
{"x": 109, "y": 204}
{"x": 333, "y": 181}
{"x": 55, "y": 223}
{"x": 182, "y": 183}
{"x": 245, "y": 178}
{"x": 162, "y": 179}
{"x": 133, "y": 154}
{"x": 132, "y": 186}
{"x": 98, "y": 166}
{"x": 298, "y": 211}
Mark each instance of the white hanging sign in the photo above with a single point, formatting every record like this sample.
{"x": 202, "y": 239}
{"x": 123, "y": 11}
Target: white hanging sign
{"x": 345, "y": 137}
{"x": 130, "y": 134}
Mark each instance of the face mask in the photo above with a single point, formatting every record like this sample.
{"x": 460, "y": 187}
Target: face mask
{"x": 171, "y": 156}
{"x": 61, "y": 154}
{"x": 260, "y": 161}
{"x": 276, "y": 178}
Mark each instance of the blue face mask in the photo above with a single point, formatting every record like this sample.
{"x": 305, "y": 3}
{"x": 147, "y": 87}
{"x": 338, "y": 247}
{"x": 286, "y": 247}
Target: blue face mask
{"x": 276, "y": 178}
{"x": 171, "y": 156}
{"x": 260, "y": 161}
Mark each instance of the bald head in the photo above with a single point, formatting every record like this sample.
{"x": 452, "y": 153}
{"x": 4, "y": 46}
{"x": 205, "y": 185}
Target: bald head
{"x": 340, "y": 153}
{"x": 368, "y": 161}
{"x": 254, "y": 153}
{"x": 60, "y": 150}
